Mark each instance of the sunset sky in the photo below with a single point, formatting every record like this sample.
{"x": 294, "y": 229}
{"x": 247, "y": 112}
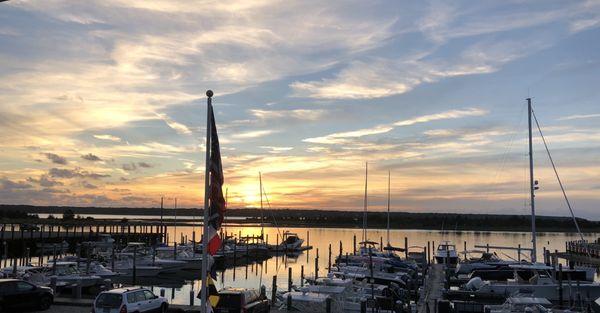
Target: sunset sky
{"x": 102, "y": 102}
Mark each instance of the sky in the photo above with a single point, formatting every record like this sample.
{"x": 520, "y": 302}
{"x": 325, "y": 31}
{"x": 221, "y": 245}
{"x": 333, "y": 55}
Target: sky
{"x": 102, "y": 103}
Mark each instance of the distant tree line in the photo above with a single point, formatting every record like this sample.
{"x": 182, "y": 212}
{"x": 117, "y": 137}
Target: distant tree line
{"x": 348, "y": 219}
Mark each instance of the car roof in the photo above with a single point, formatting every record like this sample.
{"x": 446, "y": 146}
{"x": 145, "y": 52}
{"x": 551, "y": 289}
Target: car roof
{"x": 124, "y": 290}
{"x": 6, "y": 280}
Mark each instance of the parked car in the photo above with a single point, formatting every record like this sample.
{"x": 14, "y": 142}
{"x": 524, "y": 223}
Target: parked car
{"x": 237, "y": 300}
{"x": 128, "y": 300}
{"x": 16, "y": 295}
{"x": 29, "y": 227}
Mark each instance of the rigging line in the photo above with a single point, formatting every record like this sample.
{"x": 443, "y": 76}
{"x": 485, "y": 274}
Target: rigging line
{"x": 272, "y": 215}
{"x": 562, "y": 188}
{"x": 504, "y": 157}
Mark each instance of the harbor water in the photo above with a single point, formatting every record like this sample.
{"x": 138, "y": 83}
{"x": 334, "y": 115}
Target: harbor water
{"x": 178, "y": 287}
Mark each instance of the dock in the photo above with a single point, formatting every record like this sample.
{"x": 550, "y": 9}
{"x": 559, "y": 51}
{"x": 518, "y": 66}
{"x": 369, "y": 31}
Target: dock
{"x": 432, "y": 289}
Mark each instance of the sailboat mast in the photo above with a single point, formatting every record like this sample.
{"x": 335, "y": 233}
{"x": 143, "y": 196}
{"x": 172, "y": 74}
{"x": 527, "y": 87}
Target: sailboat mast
{"x": 262, "y": 226}
{"x": 365, "y": 204}
{"x": 388, "y": 209}
{"x": 175, "y": 208}
{"x": 531, "y": 185}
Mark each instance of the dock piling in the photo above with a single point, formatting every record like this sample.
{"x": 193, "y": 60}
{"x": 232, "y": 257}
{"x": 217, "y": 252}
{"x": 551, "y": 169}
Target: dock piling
{"x": 274, "y": 289}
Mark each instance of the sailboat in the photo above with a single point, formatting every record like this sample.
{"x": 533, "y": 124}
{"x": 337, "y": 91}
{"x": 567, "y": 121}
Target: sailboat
{"x": 536, "y": 279}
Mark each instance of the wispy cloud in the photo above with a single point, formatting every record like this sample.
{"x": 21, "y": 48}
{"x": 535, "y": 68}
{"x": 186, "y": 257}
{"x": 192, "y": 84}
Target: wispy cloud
{"x": 300, "y": 114}
{"x": 55, "y": 158}
{"x": 108, "y": 137}
{"x": 253, "y": 134}
{"x": 341, "y": 137}
{"x": 178, "y": 127}
{"x": 579, "y": 117}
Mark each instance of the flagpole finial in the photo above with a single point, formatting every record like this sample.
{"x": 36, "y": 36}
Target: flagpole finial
{"x": 209, "y": 93}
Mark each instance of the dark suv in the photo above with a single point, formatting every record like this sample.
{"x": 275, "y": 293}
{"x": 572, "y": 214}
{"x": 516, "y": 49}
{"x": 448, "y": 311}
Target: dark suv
{"x": 16, "y": 294}
{"x": 238, "y": 300}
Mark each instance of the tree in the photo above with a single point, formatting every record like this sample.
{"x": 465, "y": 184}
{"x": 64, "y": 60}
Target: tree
{"x": 68, "y": 214}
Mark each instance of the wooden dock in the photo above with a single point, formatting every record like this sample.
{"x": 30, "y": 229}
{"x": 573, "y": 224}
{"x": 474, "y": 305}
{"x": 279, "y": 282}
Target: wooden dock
{"x": 432, "y": 290}
{"x": 21, "y": 241}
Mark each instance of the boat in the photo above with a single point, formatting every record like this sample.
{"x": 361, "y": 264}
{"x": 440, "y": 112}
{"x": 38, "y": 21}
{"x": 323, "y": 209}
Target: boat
{"x": 290, "y": 242}
{"x": 446, "y": 253}
{"x": 535, "y": 279}
{"x": 125, "y": 267}
{"x": 46, "y": 247}
{"x": 145, "y": 257}
{"x": 184, "y": 253}
{"x": 69, "y": 273}
{"x": 92, "y": 267}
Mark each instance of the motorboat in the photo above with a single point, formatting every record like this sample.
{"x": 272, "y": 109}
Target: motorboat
{"x": 535, "y": 279}
{"x": 125, "y": 267}
{"x": 290, "y": 242}
{"x": 68, "y": 272}
{"x": 446, "y": 253}
{"x": 92, "y": 267}
{"x": 183, "y": 253}
{"x": 486, "y": 261}
{"x": 145, "y": 257}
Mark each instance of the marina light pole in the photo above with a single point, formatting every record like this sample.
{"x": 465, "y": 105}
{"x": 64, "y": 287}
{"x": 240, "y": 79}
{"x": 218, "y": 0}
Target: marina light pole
{"x": 532, "y": 185}
{"x": 203, "y": 290}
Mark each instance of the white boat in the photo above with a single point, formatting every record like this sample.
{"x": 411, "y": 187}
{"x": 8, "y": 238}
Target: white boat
{"x": 535, "y": 280}
{"x": 68, "y": 272}
{"x": 184, "y": 253}
{"x": 94, "y": 267}
{"x": 290, "y": 242}
{"x": 144, "y": 257}
{"x": 125, "y": 267}
{"x": 521, "y": 304}
{"x": 446, "y": 253}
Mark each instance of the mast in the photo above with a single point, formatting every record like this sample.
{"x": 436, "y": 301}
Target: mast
{"x": 365, "y": 205}
{"x": 388, "y": 209}
{"x": 262, "y": 220}
{"x": 532, "y": 184}
{"x": 162, "y": 229}
{"x": 175, "y": 239}
{"x": 203, "y": 292}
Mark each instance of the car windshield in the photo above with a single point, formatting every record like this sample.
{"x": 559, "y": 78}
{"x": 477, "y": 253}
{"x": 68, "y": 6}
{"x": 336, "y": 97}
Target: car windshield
{"x": 109, "y": 300}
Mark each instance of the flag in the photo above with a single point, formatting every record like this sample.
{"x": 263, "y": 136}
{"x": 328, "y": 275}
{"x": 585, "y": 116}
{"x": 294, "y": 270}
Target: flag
{"x": 216, "y": 209}
{"x": 213, "y": 294}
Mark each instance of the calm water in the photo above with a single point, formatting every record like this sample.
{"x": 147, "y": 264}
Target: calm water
{"x": 178, "y": 287}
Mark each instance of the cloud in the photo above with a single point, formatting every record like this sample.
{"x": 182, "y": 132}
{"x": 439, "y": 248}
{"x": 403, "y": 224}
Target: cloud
{"x": 178, "y": 127}
{"x": 55, "y": 158}
{"x": 91, "y": 157}
{"x": 44, "y": 181}
{"x": 144, "y": 165}
{"x": 108, "y": 137}
{"x": 300, "y": 114}
{"x": 275, "y": 149}
{"x": 87, "y": 185}
{"x": 578, "y": 117}
{"x": 9, "y": 185}
{"x": 337, "y": 138}
{"x": 253, "y": 134}
{"x": 74, "y": 173}
{"x": 129, "y": 167}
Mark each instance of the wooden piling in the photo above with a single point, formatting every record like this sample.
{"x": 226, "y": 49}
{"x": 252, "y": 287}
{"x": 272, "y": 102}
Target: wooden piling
{"x": 273, "y": 289}
{"x": 289, "y": 279}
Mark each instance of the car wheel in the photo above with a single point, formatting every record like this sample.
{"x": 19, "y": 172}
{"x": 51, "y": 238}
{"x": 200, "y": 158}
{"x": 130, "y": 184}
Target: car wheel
{"x": 45, "y": 303}
{"x": 163, "y": 308}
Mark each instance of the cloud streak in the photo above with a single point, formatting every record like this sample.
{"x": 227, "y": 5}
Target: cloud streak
{"x": 341, "y": 137}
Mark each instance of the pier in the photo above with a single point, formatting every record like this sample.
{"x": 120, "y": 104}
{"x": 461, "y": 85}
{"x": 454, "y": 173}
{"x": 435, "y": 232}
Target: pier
{"x": 432, "y": 289}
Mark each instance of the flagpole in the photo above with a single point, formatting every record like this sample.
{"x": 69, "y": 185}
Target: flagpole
{"x": 203, "y": 302}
